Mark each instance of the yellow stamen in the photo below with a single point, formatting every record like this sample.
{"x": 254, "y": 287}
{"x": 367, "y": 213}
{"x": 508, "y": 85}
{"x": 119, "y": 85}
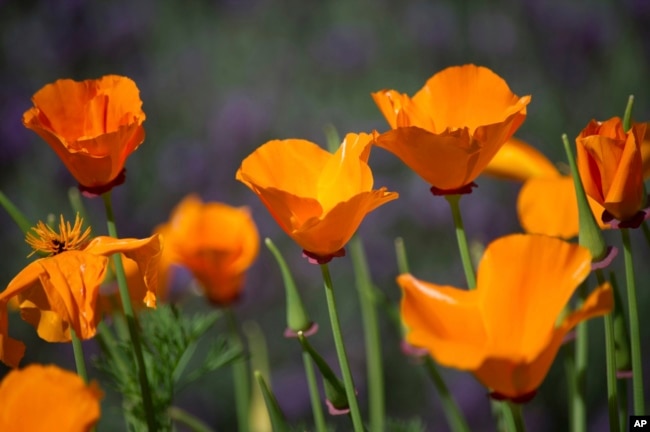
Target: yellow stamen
{"x": 44, "y": 239}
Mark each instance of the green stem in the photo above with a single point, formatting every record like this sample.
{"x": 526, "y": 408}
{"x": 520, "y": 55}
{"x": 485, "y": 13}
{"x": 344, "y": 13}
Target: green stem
{"x": 241, "y": 377}
{"x": 109, "y": 346}
{"x": 79, "y": 359}
{"x": 130, "y": 319}
{"x": 316, "y": 406}
{"x": 376, "y": 399}
{"x": 181, "y": 416}
{"x": 635, "y": 334}
{"x": 610, "y": 364}
{"x": 15, "y": 214}
{"x": 579, "y": 403}
{"x": 514, "y": 417}
{"x": 463, "y": 246}
{"x": 340, "y": 350}
{"x": 452, "y": 412}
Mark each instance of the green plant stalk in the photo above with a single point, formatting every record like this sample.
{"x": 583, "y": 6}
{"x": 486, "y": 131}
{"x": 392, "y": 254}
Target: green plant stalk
{"x": 79, "y": 360}
{"x": 74, "y": 196}
{"x": 15, "y": 214}
{"x": 278, "y": 421}
{"x": 340, "y": 350}
{"x": 241, "y": 378}
{"x": 181, "y": 416}
{"x": 130, "y": 319}
{"x": 454, "y": 416}
{"x": 578, "y": 401}
{"x": 376, "y": 399}
{"x": 635, "y": 334}
{"x": 514, "y": 417}
{"x": 316, "y": 407}
{"x": 610, "y": 364}
{"x": 463, "y": 246}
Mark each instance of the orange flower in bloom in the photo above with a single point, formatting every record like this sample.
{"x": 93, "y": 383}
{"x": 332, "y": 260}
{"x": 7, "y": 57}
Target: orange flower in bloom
{"x": 547, "y": 202}
{"x": 611, "y": 166}
{"x": 316, "y": 197}
{"x": 59, "y": 292}
{"x": 93, "y": 126}
{"x": 44, "y": 398}
{"x": 451, "y": 129}
{"x": 506, "y": 331}
{"x": 217, "y": 242}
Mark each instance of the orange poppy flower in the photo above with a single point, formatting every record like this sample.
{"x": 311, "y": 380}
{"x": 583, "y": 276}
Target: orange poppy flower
{"x": 451, "y": 129}
{"x": 611, "y": 166}
{"x": 42, "y": 398}
{"x": 216, "y": 242}
{"x": 92, "y": 125}
{"x": 506, "y": 331}
{"x": 547, "y": 202}
{"x": 316, "y": 197}
{"x": 59, "y": 292}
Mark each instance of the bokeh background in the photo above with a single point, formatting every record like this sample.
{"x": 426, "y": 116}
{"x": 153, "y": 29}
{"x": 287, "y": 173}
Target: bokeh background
{"x": 219, "y": 78}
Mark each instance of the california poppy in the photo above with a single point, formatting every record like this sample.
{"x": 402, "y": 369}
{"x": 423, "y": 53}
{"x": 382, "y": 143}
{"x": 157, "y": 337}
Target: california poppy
{"x": 92, "y": 125}
{"x": 547, "y": 202}
{"x": 450, "y": 130}
{"x": 611, "y": 167}
{"x": 44, "y": 398}
{"x": 317, "y": 198}
{"x": 506, "y": 331}
{"x": 215, "y": 241}
{"x": 59, "y": 292}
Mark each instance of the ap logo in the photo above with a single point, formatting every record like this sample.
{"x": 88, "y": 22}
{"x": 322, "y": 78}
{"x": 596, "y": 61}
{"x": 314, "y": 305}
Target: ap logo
{"x": 639, "y": 422}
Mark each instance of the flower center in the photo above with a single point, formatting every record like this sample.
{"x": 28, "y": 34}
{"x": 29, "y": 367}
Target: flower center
{"x": 42, "y": 238}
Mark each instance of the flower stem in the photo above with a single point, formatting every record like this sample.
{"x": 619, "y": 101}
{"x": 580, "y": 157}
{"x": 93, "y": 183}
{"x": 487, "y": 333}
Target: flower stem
{"x": 610, "y": 364}
{"x": 79, "y": 359}
{"x": 463, "y": 246}
{"x": 182, "y": 416}
{"x": 316, "y": 406}
{"x": 241, "y": 377}
{"x": 130, "y": 319}
{"x": 376, "y": 400}
{"x": 455, "y": 418}
{"x": 340, "y": 350}
{"x": 579, "y": 402}
{"x": 514, "y": 417}
{"x": 637, "y": 365}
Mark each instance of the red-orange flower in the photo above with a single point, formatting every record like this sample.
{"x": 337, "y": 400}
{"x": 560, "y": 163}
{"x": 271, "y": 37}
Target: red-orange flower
{"x": 59, "y": 292}
{"x": 547, "y": 202}
{"x": 216, "y": 242}
{"x": 316, "y": 197}
{"x": 611, "y": 166}
{"x": 506, "y": 331}
{"x": 450, "y": 130}
{"x": 45, "y": 398}
{"x": 92, "y": 125}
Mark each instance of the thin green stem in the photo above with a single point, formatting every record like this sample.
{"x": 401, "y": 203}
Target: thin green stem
{"x": 340, "y": 350}
{"x": 316, "y": 406}
{"x": 610, "y": 364}
{"x": 376, "y": 399}
{"x": 579, "y": 402}
{"x": 181, "y": 416}
{"x": 635, "y": 334}
{"x": 79, "y": 360}
{"x": 241, "y": 376}
{"x": 463, "y": 246}
{"x": 452, "y": 412}
{"x": 514, "y": 417}
{"x": 130, "y": 319}
{"x": 15, "y": 214}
